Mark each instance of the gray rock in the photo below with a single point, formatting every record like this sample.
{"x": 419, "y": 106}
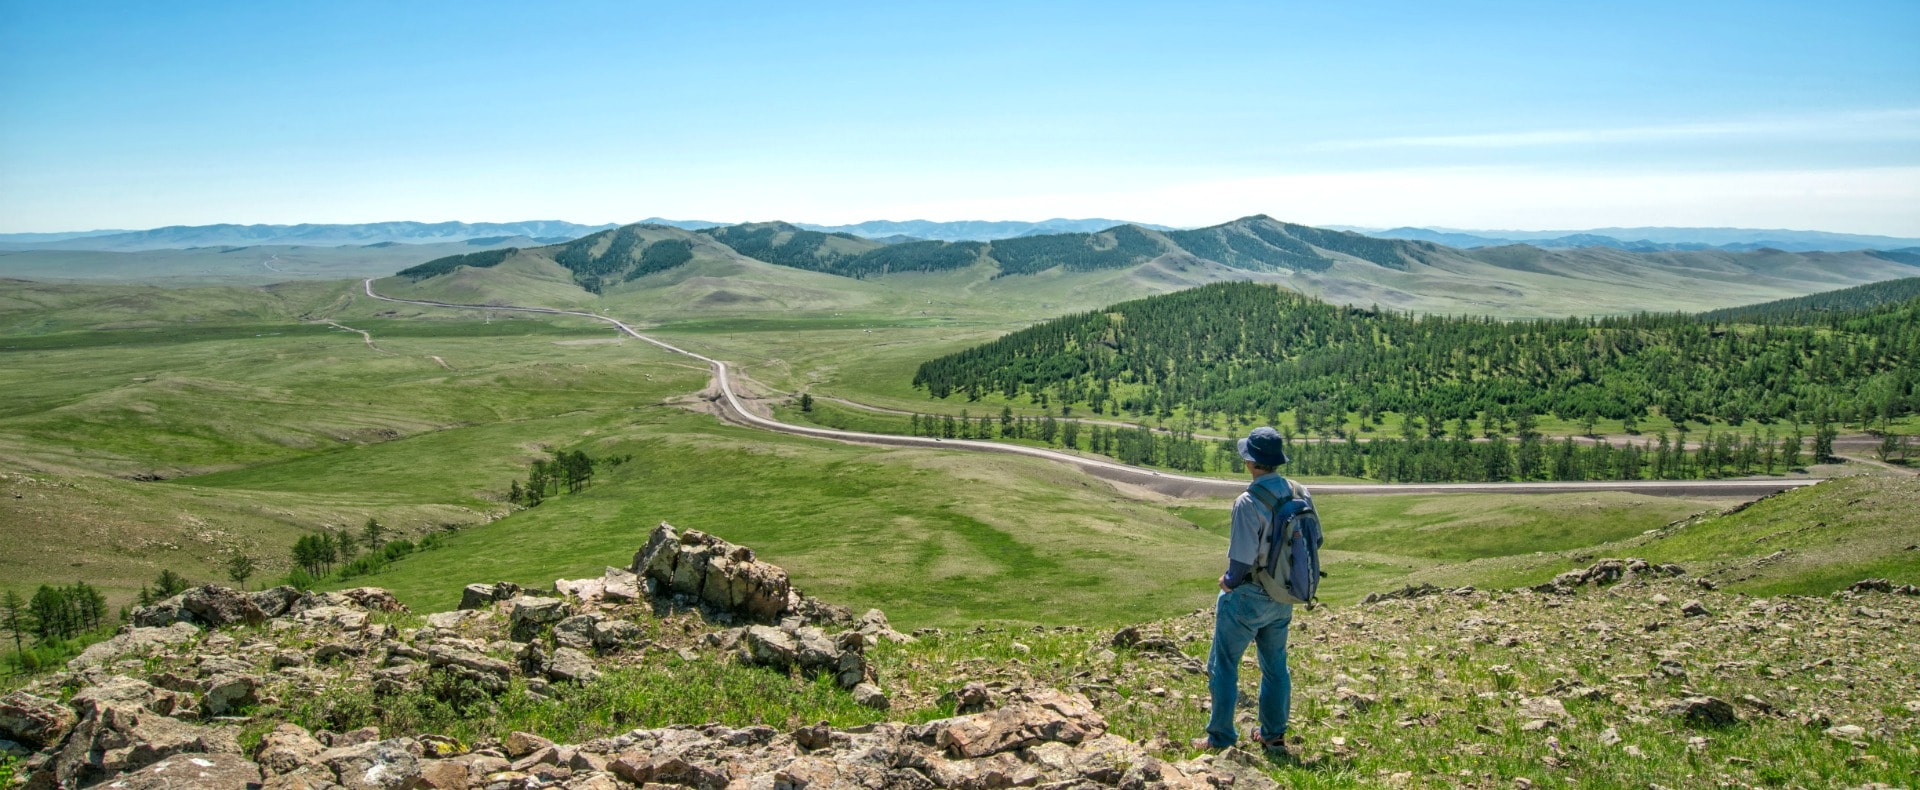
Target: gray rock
{"x": 201, "y": 771}
{"x": 619, "y": 585}
{"x": 720, "y": 575}
{"x": 476, "y": 596}
{"x": 611, "y": 635}
{"x": 571, "y": 666}
{"x": 286, "y": 749}
{"x": 131, "y": 642}
{"x": 35, "y": 721}
{"x": 1704, "y": 712}
{"x": 871, "y": 696}
{"x": 577, "y": 631}
{"x": 275, "y": 602}
{"x": 116, "y": 737}
{"x": 1029, "y": 719}
{"x": 527, "y": 616}
{"x": 228, "y": 694}
{"x": 383, "y": 765}
{"x": 1695, "y": 608}
{"x": 217, "y": 607}
{"x": 771, "y": 647}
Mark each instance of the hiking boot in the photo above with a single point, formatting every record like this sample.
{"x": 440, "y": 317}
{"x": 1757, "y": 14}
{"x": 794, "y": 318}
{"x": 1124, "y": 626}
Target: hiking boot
{"x": 1204, "y": 743}
{"x": 1275, "y": 745}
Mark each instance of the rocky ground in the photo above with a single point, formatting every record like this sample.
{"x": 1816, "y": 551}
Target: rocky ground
{"x": 1625, "y": 673}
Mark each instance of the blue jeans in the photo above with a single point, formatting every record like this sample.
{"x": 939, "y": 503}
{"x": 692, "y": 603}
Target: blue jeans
{"x": 1247, "y": 615}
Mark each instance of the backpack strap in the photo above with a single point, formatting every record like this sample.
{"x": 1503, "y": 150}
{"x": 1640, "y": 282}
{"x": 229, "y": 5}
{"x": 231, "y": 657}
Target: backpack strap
{"x": 1273, "y": 502}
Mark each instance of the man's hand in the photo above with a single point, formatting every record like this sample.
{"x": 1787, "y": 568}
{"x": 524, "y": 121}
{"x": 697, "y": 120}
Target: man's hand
{"x": 1223, "y": 585}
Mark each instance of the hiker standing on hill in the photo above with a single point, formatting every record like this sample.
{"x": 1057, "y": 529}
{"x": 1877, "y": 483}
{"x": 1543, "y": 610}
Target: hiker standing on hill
{"x": 1256, "y": 602}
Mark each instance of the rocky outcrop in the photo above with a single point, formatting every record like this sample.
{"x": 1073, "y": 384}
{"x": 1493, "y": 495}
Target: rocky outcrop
{"x": 719, "y": 575}
{"x": 1611, "y": 571}
{"x": 162, "y": 706}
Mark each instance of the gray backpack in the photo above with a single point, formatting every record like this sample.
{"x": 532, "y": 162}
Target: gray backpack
{"x": 1288, "y": 566}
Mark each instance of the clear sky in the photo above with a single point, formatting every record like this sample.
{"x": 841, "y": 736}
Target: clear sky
{"x": 1524, "y": 115}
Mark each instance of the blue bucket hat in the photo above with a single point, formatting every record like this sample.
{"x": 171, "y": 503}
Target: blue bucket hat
{"x": 1264, "y": 446}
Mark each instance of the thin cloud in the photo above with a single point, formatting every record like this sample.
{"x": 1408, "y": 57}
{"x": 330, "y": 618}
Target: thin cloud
{"x": 1883, "y": 124}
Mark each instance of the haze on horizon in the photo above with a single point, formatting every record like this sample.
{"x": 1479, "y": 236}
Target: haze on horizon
{"x": 1492, "y": 116}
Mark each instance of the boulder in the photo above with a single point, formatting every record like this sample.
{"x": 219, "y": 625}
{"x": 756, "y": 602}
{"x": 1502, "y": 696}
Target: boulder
{"x": 571, "y": 666}
{"x": 871, "y": 696}
{"x": 610, "y": 635}
{"x": 132, "y": 641}
{"x": 1029, "y": 719}
{"x": 1694, "y": 608}
{"x": 228, "y": 694}
{"x": 201, "y": 771}
{"x": 382, "y": 765}
{"x": 286, "y": 749}
{"x": 770, "y": 647}
{"x": 719, "y": 575}
{"x": 159, "y": 614}
{"x": 1704, "y": 712}
{"x": 520, "y": 744}
{"x": 37, "y": 722}
{"x": 116, "y": 737}
{"x": 123, "y": 690}
{"x": 274, "y": 602}
{"x": 527, "y": 616}
{"x": 214, "y": 606}
{"x": 577, "y": 631}
{"x": 476, "y": 596}
{"x": 372, "y": 599}
{"x": 619, "y": 585}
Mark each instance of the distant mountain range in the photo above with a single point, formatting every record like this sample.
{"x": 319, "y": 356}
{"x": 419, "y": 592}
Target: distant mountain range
{"x": 1648, "y": 239}
{"x": 895, "y": 232}
{"x": 307, "y": 235}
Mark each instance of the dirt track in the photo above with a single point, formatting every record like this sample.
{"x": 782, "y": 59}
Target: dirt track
{"x": 1170, "y": 483}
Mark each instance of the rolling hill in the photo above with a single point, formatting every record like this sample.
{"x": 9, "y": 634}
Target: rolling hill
{"x": 1516, "y": 280}
{"x": 304, "y": 234}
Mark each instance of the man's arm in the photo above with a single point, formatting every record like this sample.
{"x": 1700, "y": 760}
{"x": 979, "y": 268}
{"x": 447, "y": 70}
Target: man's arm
{"x": 1243, "y": 543}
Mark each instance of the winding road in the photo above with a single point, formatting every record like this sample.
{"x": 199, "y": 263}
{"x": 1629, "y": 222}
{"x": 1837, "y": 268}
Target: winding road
{"x": 1170, "y": 483}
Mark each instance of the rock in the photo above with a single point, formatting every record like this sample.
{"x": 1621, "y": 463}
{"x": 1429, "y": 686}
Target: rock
{"x": 520, "y": 744}
{"x": 770, "y": 647}
{"x": 571, "y": 666}
{"x": 274, "y": 602}
{"x": 619, "y": 585}
{"x": 123, "y": 690}
{"x": 454, "y": 620}
{"x": 115, "y": 737}
{"x": 527, "y": 616}
{"x": 1027, "y": 720}
{"x": 1847, "y": 732}
{"x": 214, "y": 606}
{"x": 1694, "y": 608}
{"x": 286, "y": 749}
{"x": 1704, "y": 712}
{"x": 341, "y": 617}
{"x": 372, "y": 599}
{"x": 201, "y": 771}
{"x": 871, "y": 696}
{"x": 612, "y": 635}
{"x": 228, "y": 694}
{"x": 34, "y": 721}
{"x": 476, "y": 596}
{"x": 132, "y": 642}
{"x": 576, "y": 631}
{"x": 584, "y": 590}
{"x": 444, "y": 775}
{"x": 973, "y": 698}
{"x": 1544, "y": 708}
{"x": 818, "y": 736}
{"x": 383, "y": 765}
{"x": 718, "y": 574}
{"x": 1406, "y": 593}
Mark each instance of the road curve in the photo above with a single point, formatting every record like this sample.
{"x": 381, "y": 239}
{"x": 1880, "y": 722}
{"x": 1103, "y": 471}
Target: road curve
{"x": 1165, "y": 482}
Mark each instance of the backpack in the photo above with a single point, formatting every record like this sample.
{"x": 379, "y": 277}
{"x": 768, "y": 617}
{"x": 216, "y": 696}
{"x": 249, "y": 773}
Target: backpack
{"x": 1288, "y": 565}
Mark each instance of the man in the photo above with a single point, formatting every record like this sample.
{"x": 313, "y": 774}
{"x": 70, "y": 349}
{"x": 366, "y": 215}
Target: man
{"x": 1245, "y": 614}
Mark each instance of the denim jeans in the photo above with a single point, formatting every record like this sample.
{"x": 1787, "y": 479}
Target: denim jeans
{"x": 1247, "y": 615}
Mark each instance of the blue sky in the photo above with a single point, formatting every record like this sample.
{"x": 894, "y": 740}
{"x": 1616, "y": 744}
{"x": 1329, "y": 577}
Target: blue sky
{"x": 1481, "y": 115}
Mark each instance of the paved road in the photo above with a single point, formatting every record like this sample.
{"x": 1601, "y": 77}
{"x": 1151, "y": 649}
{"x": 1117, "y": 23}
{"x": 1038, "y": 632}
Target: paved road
{"x": 1166, "y": 482}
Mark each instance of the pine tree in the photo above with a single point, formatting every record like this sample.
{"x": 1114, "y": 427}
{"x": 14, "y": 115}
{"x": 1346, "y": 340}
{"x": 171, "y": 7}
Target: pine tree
{"x": 239, "y": 568}
{"x": 373, "y": 534}
{"x": 15, "y": 618}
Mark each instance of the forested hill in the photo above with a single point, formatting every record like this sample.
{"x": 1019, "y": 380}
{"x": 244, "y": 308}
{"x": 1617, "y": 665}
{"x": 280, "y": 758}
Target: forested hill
{"x": 1252, "y": 351}
{"x": 1822, "y": 307}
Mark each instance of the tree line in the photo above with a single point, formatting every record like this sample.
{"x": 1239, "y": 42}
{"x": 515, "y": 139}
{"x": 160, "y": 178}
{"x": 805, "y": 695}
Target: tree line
{"x": 1245, "y": 352}
{"x": 567, "y": 470}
